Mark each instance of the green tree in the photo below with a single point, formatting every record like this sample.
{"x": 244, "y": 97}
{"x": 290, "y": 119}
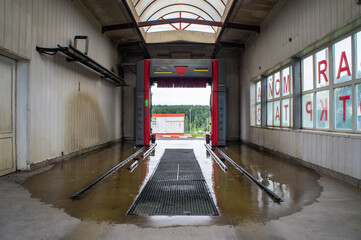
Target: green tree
{"x": 199, "y": 113}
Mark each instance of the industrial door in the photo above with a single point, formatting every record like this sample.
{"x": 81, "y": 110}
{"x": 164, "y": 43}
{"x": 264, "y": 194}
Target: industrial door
{"x": 7, "y": 118}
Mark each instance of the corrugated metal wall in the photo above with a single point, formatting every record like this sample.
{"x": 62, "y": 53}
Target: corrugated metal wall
{"x": 69, "y": 107}
{"x": 129, "y": 102}
{"x": 305, "y": 22}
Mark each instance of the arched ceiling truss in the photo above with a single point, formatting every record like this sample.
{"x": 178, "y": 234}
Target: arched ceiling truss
{"x": 208, "y": 10}
{"x": 181, "y": 25}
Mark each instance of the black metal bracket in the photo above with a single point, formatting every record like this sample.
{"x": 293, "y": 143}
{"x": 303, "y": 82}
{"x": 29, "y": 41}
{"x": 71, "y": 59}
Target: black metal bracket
{"x": 86, "y": 38}
{"x": 74, "y": 55}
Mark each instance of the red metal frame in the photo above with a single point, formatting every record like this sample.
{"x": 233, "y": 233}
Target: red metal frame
{"x": 179, "y": 4}
{"x": 146, "y": 102}
{"x": 214, "y": 106}
{"x": 180, "y": 16}
{"x": 214, "y": 102}
{"x": 179, "y": 20}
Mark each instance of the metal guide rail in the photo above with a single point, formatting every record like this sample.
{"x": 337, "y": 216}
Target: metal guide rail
{"x": 78, "y": 195}
{"x": 216, "y": 158}
{"x": 150, "y": 150}
{"x": 270, "y": 193}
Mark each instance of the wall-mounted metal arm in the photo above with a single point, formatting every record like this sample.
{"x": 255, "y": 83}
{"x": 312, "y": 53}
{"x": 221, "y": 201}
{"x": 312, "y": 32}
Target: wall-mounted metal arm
{"x": 74, "y": 55}
{"x": 86, "y": 38}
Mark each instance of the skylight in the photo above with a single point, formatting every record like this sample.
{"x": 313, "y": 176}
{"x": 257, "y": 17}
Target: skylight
{"x": 208, "y": 10}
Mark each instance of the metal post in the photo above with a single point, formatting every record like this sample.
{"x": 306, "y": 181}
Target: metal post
{"x": 296, "y": 83}
{"x": 264, "y": 101}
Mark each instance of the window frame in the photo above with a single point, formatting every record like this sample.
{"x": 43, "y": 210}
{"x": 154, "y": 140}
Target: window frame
{"x": 332, "y": 85}
{"x": 280, "y": 98}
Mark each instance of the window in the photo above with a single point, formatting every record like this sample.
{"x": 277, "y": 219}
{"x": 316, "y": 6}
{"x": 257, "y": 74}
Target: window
{"x": 279, "y": 98}
{"x": 258, "y": 103}
{"x": 343, "y": 108}
{"x": 342, "y": 60}
{"x": 327, "y": 96}
{"x": 307, "y": 110}
{"x": 322, "y": 106}
{"x": 331, "y": 90}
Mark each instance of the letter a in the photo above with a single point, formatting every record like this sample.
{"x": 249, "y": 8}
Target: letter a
{"x": 345, "y": 68}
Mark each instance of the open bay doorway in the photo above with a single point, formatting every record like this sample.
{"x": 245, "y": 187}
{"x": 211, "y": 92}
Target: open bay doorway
{"x": 180, "y": 112}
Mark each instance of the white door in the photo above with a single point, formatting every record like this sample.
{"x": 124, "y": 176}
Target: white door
{"x": 7, "y": 118}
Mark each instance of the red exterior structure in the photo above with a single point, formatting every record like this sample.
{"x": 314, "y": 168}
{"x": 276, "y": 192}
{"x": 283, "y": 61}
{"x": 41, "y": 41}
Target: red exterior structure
{"x": 146, "y": 103}
{"x": 214, "y": 108}
{"x": 171, "y": 73}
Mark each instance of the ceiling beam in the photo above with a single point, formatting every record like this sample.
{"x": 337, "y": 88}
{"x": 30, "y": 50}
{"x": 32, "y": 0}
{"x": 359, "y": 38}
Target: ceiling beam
{"x": 179, "y": 20}
{"x": 134, "y": 21}
{"x": 231, "y": 45}
{"x": 244, "y": 27}
{"x": 226, "y": 21}
{"x": 180, "y": 43}
{"x": 117, "y": 27}
{"x": 225, "y": 44}
{"x": 238, "y": 26}
{"x": 220, "y": 45}
{"x": 129, "y": 44}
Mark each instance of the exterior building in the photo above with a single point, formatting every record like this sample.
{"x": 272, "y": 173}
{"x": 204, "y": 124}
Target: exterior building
{"x": 168, "y": 124}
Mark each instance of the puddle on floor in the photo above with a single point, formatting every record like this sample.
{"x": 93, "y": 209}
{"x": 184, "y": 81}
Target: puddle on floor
{"x": 238, "y": 199}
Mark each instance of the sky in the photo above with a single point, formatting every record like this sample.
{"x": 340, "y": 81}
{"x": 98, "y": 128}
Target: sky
{"x": 181, "y": 96}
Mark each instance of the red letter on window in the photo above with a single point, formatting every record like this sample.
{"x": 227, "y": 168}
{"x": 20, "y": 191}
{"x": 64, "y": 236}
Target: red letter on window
{"x": 309, "y": 109}
{"x": 344, "y": 99}
{"x": 259, "y": 93}
{"x": 324, "y": 109}
{"x": 345, "y": 68}
{"x": 322, "y": 71}
{"x": 259, "y": 114}
{"x": 270, "y": 89}
{"x": 286, "y": 107}
{"x": 277, "y": 86}
{"x": 277, "y": 115}
{"x": 286, "y": 84}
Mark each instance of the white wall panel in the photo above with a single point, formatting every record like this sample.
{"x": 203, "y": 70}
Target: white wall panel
{"x": 356, "y": 156}
{"x": 306, "y": 22}
{"x": 62, "y": 118}
{"x": 348, "y": 157}
{"x": 325, "y": 149}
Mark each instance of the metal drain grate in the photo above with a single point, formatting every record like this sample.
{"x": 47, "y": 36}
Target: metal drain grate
{"x": 177, "y": 187}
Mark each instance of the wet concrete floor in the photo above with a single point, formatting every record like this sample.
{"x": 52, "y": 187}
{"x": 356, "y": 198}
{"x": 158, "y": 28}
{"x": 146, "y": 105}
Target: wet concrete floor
{"x": 238, "y": 199}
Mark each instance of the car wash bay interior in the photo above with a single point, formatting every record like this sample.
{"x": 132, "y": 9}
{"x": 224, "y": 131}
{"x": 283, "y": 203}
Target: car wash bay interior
{"x": 77, "y": 156}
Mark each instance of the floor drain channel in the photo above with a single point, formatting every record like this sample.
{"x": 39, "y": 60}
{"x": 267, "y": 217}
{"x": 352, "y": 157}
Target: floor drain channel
{"x": 177, "y": 187}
